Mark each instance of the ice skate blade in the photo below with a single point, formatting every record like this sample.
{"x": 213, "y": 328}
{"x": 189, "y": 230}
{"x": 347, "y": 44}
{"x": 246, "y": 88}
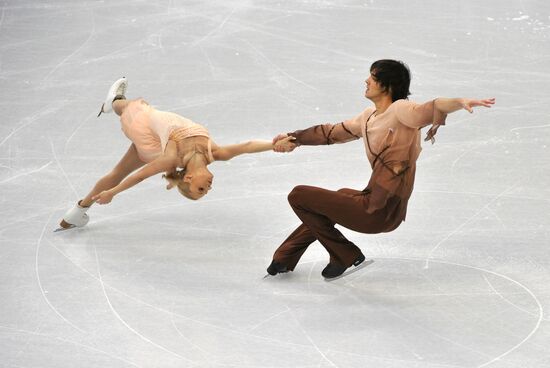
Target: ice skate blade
{"x": 59, "y": 229}
{"x": 352, "y": 270}
{"x": 100, "y": 110}
{"x": 268, "y": 276}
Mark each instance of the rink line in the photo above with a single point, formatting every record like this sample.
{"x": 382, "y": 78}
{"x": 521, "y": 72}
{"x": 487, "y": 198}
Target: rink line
{"x": 530, "y": 127}
{"x": 455, "y": 161}
{"x": 427, "y": 330}
{"x": 50, "y": 337}
{"x": 278, "y": 68}
{"x": 501, "y": 295}
{"x": 195, "y": 346}
{"x": 77, "y": 129}
{"x": 311, "y": 340}
{"x": 126, "y": 324}
{"x": 277, "y": 34}
{"x": 456, "y": 230}
{"x": 173, "y": 314}
{"x": 437, "y": 261}
{"x": 252, "y": 328}
{"x": 540, "y": 314}
{"x": 220, "y": 26}
{"x": 25, "y": 173}
{"x": 92, "y": 33}
{"x": 36, "y": 262}
{"x": 210, "y": 65}
{"x": 62, "y": 170}
{"x": 537, "y": 325}
{"x": 410, "y": 363}
{"x": 48, "y": 109}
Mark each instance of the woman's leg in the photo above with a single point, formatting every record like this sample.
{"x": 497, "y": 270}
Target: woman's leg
{"x": 120, "y": 105}
{"x": 129, "y": 163}
{"x": 77, "y": 216}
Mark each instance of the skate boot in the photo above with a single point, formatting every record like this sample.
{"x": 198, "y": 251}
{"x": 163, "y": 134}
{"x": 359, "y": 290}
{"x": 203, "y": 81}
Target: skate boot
{"x": 75, "y": 217}
{"x": 333, "y": 270}
{"x": 116, "y": 92}
{"x": 275, "y": 268}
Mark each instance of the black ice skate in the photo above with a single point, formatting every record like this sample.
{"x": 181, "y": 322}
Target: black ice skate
{"x": 334, "y": 272}
{"x": 275, "y": 268}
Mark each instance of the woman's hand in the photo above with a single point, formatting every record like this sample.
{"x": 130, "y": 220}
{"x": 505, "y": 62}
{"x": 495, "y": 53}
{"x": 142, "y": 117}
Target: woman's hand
{"x": 468, "y": 104}
{"x": 284, "y": 143}
{"x": 104, "y": 197}
{"x": 279, "y": 137}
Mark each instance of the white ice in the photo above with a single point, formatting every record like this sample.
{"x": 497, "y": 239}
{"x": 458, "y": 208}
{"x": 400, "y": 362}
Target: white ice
{"x": 158, "y": 281}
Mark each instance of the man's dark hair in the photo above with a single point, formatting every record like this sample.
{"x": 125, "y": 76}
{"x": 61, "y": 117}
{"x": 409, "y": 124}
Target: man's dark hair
{"x": 393, "y": 76}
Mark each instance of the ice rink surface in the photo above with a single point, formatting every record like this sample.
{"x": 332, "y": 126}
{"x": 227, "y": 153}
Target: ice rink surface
{"x": 155, "y": 280}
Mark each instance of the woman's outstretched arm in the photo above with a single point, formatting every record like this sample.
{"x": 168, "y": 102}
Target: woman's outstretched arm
{"x": 224, "y": 153}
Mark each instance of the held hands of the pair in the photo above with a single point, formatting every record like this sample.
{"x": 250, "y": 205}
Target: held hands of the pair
{"x": 104, "y": 197}
{"x": 469, "y": 104}
{"x": 284, "y": 143}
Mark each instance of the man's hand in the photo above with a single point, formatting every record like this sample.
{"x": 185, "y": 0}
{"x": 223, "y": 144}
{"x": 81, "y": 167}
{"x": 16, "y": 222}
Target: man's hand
{"x": 284, "y": 143}
{"x": 468, "y": 104}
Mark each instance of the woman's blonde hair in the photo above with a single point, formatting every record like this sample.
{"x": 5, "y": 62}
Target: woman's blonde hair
{"x": 175, "y": 179}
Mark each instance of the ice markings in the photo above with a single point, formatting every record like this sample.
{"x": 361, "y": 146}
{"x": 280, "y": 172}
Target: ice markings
{"x": 474, "y": 216}
{"x": 117, "y": 315}
{"x": 36, "y": 268}
{"x": 25, "y": 173}
{"x": 92, "y": 32}
{"x": 35, "y": 117}
{"x": 219, "y": 27}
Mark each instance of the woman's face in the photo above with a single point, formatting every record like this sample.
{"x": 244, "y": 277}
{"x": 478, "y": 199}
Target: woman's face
{"x": 200, "y": 184}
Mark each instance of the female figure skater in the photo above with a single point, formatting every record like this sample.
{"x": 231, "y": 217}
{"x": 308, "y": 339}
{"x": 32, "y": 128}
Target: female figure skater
{"x": 391, "y": 133}
{"x": 162, "y": 142}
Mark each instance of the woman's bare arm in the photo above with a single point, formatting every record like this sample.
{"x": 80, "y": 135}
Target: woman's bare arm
{"x": 224, "y": 153}
{"x": 159, "y": 165}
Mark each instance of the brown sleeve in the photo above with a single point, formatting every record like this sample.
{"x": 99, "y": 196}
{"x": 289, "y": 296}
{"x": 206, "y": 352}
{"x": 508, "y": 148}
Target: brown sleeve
{"x": 326, "y": 134}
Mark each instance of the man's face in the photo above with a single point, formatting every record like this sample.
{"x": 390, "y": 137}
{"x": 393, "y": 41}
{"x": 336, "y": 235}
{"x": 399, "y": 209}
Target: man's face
{"x": 374, "y": 89}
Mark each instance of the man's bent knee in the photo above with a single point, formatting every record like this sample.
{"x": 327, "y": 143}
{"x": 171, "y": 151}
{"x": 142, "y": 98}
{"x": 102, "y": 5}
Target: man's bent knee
{"x": 297, "y": 193}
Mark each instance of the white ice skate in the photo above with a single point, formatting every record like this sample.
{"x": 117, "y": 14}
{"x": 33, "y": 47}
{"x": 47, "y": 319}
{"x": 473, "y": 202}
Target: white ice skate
{"x": 75, "y": 217}
{"x": 116, "y": 92}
